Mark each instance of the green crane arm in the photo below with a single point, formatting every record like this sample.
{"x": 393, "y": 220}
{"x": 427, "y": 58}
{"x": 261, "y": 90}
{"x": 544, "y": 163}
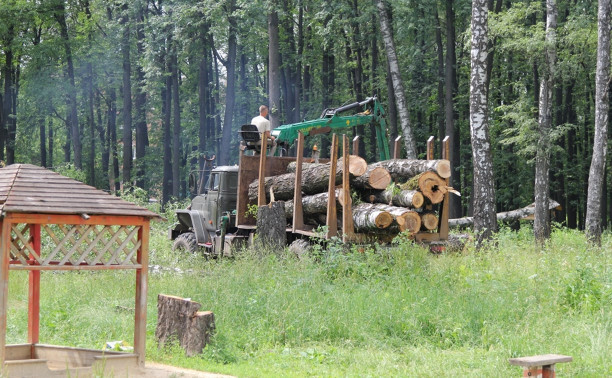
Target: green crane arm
{"x": 371, "y": 113}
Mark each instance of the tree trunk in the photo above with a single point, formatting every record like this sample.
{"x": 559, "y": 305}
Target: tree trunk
{"x": 127, "y": 103}
{"x": 112, "y": 140}
{"x": 398, "y": 85}
{"x": 402, "y": 170}
{"x": 43, "y": 141}
{"x": 357, "y": 166}
{"x": 405, "y": 219}
{"x": 176, "y": 125}
{"x": 274, "y": 64}
{"x": 504, "y": 217}
{"x": 370, "y": 217}
{"x": 403, "y": 198}
{"x": 50, "y": 143}
{"x": 593, "y": 224}
{"x": 142, "y": 134}
{"x": 180, "y": 319}
{"x": 373, "y": 178}
{"x": 230, "y": 93}
{"x": 7, "y": 100}
{"x": 485, "y": 223}
{"x": 541, "y": 224}
{"x": 71, "y": 102}
{"x": 450, "y": 90}
{"x": 166, "y": 95}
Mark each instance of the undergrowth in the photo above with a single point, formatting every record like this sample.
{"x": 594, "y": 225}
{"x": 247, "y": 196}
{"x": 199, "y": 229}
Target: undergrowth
{"x": 357, "y": 311}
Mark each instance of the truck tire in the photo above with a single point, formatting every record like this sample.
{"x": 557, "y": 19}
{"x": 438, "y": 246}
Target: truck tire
{"x": 186, "y": 242}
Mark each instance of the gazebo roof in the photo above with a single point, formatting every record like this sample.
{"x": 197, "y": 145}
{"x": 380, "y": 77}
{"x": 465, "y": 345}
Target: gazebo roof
{"x": 26, "y": 188}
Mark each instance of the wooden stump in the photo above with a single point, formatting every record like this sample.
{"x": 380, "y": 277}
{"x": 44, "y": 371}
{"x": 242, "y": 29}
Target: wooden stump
{"x": 179, "y": 319}
{"x": 272, "y": 225}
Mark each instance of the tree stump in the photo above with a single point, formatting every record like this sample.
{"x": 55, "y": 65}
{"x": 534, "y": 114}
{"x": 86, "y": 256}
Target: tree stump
{"x": 179, "y": 319}
{"x": 272, "y": 225}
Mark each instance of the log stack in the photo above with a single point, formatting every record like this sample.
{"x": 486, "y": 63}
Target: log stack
{"x": 392, "y": 196}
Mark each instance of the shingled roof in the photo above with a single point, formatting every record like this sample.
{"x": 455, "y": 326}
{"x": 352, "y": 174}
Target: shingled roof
{"x": 26, "y": 188}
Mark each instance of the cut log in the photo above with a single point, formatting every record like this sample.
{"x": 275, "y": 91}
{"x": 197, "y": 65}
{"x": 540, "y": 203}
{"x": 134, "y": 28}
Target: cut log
{"x": 369, "y": 217}
{"x": 311, "y": 205}
{"x": 357, "y": 165}
{"x": 430, "y": 184}
{"x": 272, "y": 225}
{"x": 402, "y": 170}
{"x": 181, "y": 320}
{"x": 429, "y": 221}
{"x": 506, "y": 216}
{"x": 397, "y": 197}
{"x": 373, "y": 178}
{"x": 406, "y": 220}
{"x": 315, "y": 179}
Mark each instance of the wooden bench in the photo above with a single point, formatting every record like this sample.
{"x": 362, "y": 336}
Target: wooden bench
{"x": 542, "y": 366}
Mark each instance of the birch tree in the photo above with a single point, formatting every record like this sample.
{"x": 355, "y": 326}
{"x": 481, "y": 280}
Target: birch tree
{"x": 398, "y": 86}
{"x": 600, "y": 141}
{"x": 485, "y": 221}
{"x": 541, "y": 224}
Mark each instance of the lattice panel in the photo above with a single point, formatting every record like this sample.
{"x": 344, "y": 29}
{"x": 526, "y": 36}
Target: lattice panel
{"x": 74, "y": 245}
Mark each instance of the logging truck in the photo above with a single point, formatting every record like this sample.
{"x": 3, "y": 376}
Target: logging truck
{"x": 341, "y": 196}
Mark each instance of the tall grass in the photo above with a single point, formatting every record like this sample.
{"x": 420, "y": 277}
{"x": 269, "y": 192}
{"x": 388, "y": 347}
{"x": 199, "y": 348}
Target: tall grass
{"x": 367, "y": 312}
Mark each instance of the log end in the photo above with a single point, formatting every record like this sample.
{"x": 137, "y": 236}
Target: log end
{"x": 357, "y": 165}
{"x": 412, "y": 222}
{"x": 418, "y": 200}
{"x": 383, "y": 220}
{"x": 443, "y": 168}
{"x": 379, "y": 178}
{"x": 429, "y": 221}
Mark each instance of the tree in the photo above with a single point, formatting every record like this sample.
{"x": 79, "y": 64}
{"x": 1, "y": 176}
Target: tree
{"x": 230, "y": 96}
{"x": 541, "y": 224}
{"x": 274, "y": 64}
{"x": 450, "y": 90}
{"x": 127, "y": 100}
{"x": 72, "y": 119}
{"x": 398, "y": 85}
{"x": 485, "y": 221}
{"x": 600, "y": 140}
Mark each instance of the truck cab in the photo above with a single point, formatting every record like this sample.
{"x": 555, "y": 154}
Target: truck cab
{"x": 200, "y": 222}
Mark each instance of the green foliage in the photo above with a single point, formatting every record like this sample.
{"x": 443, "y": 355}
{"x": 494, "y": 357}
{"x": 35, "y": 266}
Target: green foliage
{"x": 69, "y": 170}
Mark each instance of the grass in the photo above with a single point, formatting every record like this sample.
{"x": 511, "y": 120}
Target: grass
{"x": 395, "y": 311}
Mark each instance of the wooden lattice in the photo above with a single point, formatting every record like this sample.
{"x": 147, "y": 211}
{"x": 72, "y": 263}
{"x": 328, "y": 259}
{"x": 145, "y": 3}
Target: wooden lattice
{"x": 76, "y": 245}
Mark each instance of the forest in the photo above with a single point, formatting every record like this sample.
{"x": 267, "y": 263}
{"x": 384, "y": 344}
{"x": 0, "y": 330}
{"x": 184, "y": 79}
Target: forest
{"x": 136, "y": 94}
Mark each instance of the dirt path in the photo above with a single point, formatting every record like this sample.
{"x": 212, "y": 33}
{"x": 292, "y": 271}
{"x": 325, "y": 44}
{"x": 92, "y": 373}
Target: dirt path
{"x": 154, "y": 370}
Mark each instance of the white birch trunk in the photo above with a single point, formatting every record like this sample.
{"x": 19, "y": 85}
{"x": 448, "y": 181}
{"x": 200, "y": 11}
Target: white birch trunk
{"x": 396, "y": 78}
{"x": 485, "y": 222}
{"x": 600, "y": 141}
{"x": 541, "y": 223}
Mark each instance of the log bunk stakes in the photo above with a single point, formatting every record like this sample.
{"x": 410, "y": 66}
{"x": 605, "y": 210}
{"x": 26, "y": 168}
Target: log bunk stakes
{"x": 316, "y": 191}
{"x": 83, "y": 229}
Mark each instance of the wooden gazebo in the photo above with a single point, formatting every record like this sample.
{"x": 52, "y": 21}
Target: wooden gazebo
{"x": 84, "y": 229}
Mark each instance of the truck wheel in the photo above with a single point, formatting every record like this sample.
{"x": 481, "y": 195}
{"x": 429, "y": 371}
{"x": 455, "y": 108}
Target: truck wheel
{"x": 186, "y": 242}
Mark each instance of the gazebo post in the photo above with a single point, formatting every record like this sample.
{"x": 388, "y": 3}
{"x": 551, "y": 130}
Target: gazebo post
{"x": 34, "y": 290}
{"x": 5, "y": 240}
{"x": 140, "y": 321}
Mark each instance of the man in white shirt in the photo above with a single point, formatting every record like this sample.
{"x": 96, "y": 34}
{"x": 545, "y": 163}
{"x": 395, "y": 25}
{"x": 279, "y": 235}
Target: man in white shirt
{"x": 263, "y": 125}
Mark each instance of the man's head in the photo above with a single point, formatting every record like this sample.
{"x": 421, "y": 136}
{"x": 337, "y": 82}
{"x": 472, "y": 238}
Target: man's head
{"x": 263, "y": 111}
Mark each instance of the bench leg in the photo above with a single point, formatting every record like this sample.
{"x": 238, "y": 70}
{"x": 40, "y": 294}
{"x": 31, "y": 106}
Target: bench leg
{"x": 546, "y": 371}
